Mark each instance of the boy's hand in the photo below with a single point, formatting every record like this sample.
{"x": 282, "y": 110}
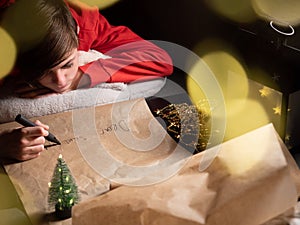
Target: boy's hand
{"x": 23, "y": 143}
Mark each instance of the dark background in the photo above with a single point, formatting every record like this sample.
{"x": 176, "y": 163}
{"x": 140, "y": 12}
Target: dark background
{"x": 188, "y": 22}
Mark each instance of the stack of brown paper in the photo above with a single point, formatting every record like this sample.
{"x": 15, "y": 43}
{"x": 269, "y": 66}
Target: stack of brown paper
{"x": 129, "y": 171}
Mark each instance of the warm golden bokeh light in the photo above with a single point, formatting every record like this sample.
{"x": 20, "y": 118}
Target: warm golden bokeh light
{"x": 245, "y": 109}
{"x": 236, "y": 10}
{"x": 101, "y": 4}
{"x": 251, "y": 115}
{"x": 27, "y": 29}
{"x": 7, "y": 54}
{"x": 227, "y": 69}
{"x": 230, "y": 74}
{"x": 284, "y": 12}
{"x": 196, "y": 93}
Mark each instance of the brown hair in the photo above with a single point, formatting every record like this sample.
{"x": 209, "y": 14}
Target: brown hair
{"x": 57, "y": 42}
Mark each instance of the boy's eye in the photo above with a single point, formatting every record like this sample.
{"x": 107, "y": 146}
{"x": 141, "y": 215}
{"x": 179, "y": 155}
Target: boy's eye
{"x": 69, "y": 65}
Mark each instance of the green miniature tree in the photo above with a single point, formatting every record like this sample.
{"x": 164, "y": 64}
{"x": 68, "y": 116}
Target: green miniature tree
{"x": 63, "y": 191}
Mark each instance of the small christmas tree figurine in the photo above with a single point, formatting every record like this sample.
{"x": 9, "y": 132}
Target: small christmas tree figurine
{"x": 63, "y": 192}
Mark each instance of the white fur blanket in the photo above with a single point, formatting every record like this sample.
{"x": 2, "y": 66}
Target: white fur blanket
{"x": 101, "y": 94}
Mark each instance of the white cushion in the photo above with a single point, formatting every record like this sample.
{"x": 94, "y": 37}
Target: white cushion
{"x": 101, "y": 94}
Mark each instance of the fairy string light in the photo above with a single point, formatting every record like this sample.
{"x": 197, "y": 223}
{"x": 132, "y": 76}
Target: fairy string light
{"x": 187, "y": 124}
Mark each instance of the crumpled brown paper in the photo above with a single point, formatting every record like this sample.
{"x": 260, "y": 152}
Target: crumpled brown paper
{"x": 129, "y": 171}
{"x": 97, "y": 147}
{"x": 249, "y": 182}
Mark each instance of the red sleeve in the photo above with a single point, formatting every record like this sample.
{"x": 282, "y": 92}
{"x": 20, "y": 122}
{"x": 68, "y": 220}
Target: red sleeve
{"x": 132, "y": 58}
{"x": 6, "y": 3}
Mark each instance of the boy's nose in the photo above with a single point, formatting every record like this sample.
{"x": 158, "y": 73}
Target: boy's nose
{"x": 59, "y": 77}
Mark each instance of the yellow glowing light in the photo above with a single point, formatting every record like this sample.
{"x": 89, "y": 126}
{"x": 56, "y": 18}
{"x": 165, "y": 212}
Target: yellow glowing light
{"x": 243, "y": 113}
{"x": 49, "y": 184}
{"x": 71, "y": 201}
{"x": 27, "y": 29}
{"x": 265, "y": 91}
{"x": 196, "y": 94}
{"x": 227, "y": 69}
{"x": 282, "y": 12}
{"x": 67, "y": 191}
{"x": 8, "y": 53}
{"x": 277, "y": 110}
{"x": 59, "y": 200}
{"x": 60, "y": 188}
{"x": 101, "y": 4}
{"x": 251, "y": 116}
{"x": 60, "y": 156}
{"x": 236, "y": 10}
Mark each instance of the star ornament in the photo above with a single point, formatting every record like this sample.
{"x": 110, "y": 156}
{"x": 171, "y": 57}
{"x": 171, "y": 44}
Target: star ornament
{"x": 265, "y": 91}
{"x": 277, "y": 110}
{"x": 275, "y": 77}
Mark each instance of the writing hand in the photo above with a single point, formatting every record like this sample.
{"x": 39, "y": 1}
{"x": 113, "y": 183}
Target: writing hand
{"x": 23, "y": 143}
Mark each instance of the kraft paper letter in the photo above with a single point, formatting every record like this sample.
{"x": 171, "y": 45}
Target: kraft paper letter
{"x": 107, "y": 145}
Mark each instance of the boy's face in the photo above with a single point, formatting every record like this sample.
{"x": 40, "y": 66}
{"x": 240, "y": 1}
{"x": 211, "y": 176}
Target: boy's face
{"x": 63, "y": 77}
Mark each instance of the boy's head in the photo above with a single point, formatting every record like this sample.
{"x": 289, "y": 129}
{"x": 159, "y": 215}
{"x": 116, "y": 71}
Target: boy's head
{"x": 44, "y": 32}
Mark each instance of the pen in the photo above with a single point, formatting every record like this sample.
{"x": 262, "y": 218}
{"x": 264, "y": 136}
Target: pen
{"x": 27, "y": 123}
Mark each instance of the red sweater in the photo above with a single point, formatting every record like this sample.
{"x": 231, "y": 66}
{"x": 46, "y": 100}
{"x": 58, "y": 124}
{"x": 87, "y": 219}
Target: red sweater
{"x": 132, "y": 58}
{"x": 6, "y": 3}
